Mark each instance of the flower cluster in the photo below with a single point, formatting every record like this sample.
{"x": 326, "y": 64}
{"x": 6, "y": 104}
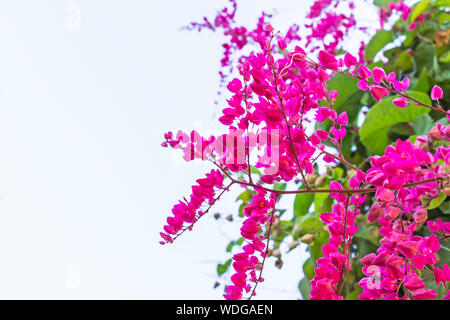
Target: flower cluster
{"x": 333, "y": 267}
{"x": 188, "y": 212}
{"x": 278, "y": 92}
{"x": 258, "y": 213}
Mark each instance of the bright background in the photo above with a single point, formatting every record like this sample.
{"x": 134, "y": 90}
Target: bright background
{"x": 84, "y": 185}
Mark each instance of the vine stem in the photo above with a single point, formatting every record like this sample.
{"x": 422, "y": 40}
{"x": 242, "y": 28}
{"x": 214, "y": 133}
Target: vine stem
{"x": 344, "y": 191}
{"x": 346, "y": 249}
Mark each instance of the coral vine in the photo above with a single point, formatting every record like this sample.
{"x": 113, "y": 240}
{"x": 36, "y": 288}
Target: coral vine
{"x": 278, "y": 93}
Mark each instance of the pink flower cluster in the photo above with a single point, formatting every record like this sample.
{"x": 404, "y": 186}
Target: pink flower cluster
{"x": 187, "y": 212}
{"x": 331, "y": 269}
{"x": 246, "y": 264}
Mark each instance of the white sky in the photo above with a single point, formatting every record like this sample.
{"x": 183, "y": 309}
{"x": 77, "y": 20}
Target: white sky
{"x": 84, "y": 185}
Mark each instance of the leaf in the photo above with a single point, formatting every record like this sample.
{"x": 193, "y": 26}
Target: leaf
{"x": 445, "y": 57}
{"x": 310, "y": 222}
{"x": 302, "y": 203}
{"x": 420, "y": 7}
{"x": 345, "y": 86}
{"x": 354, "y": 294}
{"x": 364, "y": 233}
{"x": 222, "y": 268}
{"x": 383, "y": 115}
{"x": 404, "y": 61}
{"x": 422, "y": 83}
{"x": 304, "y": 287}
{"x": 338, "y": 172}
{"x": 308, "y": 268}
{"x": 436, "y": 202}
{"x": 445, "y": 207}
{"x": 383, "y": 3}
{"x": 423, "y": 124}
{"x": 316, "y": 248}
{"x": 230, "y": 246}
{"x": 279, "y": 186}
{"x": 378, "y": 42}
{"x": 442, "y": 3}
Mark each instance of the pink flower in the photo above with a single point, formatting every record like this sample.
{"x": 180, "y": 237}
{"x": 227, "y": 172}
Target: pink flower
{"x": 349, "y": 60}
{"x": 234, "y": 85}
{"x": 362, "y": 85}
{"x": 364, "y": 72}
{"x": 436, "y": 93}
{"x": 378, "y": 92}
{"x": 400, "y": 102}
{"x": 378, "y": 74}
{"x": 424, "y": 294}
{"x": 342, "y": 119}
{"x": 328, "y": 60}
{"x": 391, "y": 77}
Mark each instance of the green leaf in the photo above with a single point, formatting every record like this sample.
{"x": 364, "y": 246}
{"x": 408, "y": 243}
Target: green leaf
{"x": 279, "y": 186}
{"x": 445, "y": 57}
{"x": 443, "y": 17}
{"x": 222, "y": 268}
{"x": 338, "y": 172}
{"x": 310, "y": 222}
{"x": 230, "y": 246}
{"x": 378, "y": 42}
{"x": 383, "y": 115}
{"x": 354, "y": 294}
{"x": 345, "y": 86}
{"x": 302, "y": 203}
{"x": 422, "y": 83}
{"x": 419, "y": 8}
{"x": 316, "y": 248}
{"x": 404, "y": 61}
{"x": 304, "y": 287}
{"x": 423, "y": 124}
{"x": 364, "y": 233}
{"x": 383, "y": 3}
{"x": 436, "y": 202}
{"x": 308, "y": 268}
{"x": 445, "y": 207}
{"x": 442, "y": 3}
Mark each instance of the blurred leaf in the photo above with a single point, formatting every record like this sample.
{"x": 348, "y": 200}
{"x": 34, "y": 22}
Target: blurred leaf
{"x": 383, "y": 115}
{"x": 422, "y": 124}
{"x": 279, "y": 186}
{"x": 383, "y": 3}
{"x": 404, "y": 61}
{"x": 308, "y": 269}
{"x": 435, "y": 202}
{"x": 418, "y": 9}
{"x": 345, "y": 86}
{"x": 222, "y": 268}
{"x": 378, "y": 42}
{"x": 422, "y": 83}
{"x": 338, "y": 172}
{"x": 354, "y": 294}
{"x": 442, "y": 3}
{"x": 302, "y": 203}
{"x": 445, "y": 57}
{"x": 304, "y": 287}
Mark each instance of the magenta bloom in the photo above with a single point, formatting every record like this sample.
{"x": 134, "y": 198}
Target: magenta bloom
{"x": 378, "y": 92}
{"x": 436, "y": 93}
{"x": 378, "y": 74}
{"x": 328, "y": 60}
{"x": 400, "y": 102}
{"x": 349, "y": 60}
{"x": 364, "y": 72}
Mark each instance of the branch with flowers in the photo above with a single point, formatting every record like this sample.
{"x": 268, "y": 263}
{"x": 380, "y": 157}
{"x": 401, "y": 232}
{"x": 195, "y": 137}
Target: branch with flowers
{"x": 370, "y": 199}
